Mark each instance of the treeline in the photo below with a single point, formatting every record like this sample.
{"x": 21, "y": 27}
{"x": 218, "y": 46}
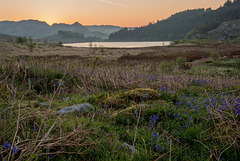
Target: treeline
{"x": 78, "y": 37}
{"x": 71, "y": 37}
{"x": 184, "y": 24}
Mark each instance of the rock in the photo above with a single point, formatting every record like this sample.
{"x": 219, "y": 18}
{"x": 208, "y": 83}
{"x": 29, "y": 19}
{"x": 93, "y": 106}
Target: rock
{"x": 80, "y": 109}
{"x": 229, "y": 30}
{"x": 129, "y": 112}
{"x": 122, "y": 100}
{"x": 130, "y": 148}
{"x": 141, "y": 94}
{"x": 146, "y": 110}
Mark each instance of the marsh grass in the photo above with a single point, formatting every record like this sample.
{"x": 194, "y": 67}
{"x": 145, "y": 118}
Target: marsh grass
{"x": 195, "y": 117}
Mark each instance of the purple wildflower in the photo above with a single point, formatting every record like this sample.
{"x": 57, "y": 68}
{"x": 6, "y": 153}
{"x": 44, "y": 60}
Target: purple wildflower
{"x": 15, "y": 150}
{"x": 155, "y": 135}
{"x": 8, "y": 146}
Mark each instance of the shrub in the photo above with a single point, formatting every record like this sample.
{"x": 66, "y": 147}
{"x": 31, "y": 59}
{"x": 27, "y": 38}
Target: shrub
{"x": 181, "y": 62}
{"x": 60, "y": 44}
{"x": 167, "y": 67}
{"x": 21, "y": 40}
{"x": 215, "y": 56}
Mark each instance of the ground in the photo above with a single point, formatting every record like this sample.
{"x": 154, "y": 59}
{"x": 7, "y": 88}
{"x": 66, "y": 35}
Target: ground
{"x": 147, "y": 106}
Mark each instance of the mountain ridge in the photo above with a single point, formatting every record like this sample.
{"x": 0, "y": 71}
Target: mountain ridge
{"x": 41, "y": 29}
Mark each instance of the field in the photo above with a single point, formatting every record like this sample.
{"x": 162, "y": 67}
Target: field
{"x": 159, "y": 103}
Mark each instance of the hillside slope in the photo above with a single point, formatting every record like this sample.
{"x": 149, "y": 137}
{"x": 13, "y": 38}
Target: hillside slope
{"x": 184, "y": 24}
{"x": 229, "y": 30}
{"x": 7, "y": 38}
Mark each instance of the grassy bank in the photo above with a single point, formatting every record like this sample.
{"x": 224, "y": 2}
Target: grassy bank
{"x": 142, "y": 111}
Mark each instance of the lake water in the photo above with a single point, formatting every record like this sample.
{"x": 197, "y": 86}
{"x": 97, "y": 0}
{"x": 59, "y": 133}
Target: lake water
{"x": 121, "y": 44}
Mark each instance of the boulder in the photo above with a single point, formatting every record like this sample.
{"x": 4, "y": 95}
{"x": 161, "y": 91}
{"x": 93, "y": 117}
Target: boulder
{"x": 146, "y": 110}
{"x": 122, "y": 100}
{"x": 129, "y": 112}
{"x": 80, "y": 109}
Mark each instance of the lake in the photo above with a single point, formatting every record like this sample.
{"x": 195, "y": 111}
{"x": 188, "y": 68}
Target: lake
{"x": 121, "y": 44}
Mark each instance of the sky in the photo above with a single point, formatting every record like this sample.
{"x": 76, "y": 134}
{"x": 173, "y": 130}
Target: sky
{"x": 124, "y": 13}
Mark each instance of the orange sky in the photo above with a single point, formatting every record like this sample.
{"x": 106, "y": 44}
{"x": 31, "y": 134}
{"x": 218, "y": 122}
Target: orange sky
{"x": 99, "y": 12}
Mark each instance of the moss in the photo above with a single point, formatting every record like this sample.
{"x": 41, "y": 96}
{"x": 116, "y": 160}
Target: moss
{"x": 146, "y": 110}
{"x": 123, "y": 99}
{"x": 128, "y": 112}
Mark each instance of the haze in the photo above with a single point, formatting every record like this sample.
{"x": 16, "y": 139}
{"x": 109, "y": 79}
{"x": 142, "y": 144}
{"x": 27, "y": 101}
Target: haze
{"x": 99, "y": 12}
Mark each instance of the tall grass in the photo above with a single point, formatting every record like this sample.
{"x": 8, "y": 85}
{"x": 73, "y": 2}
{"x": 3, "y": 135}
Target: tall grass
{"x": 196, "y": 117}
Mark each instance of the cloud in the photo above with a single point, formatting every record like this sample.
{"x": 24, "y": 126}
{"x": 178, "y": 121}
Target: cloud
{"x": 117, "y": 4}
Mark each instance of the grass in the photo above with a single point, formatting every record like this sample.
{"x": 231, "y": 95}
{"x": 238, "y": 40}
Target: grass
{"x": 194, "y": 114}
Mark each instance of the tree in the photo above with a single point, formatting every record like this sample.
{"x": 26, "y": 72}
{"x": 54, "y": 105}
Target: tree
{"x": 21, "y": 40}
{"x": 31, "y": 45}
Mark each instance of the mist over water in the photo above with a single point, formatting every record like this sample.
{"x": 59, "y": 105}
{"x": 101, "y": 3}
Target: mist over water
{"x": 120, "y": 44}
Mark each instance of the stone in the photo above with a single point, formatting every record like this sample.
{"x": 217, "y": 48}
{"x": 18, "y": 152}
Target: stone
{"x": 122, "y": 100}
{"x": 80, "y": 109}
{"x": 130, "y": 148}
{"x": 129, "y": 112}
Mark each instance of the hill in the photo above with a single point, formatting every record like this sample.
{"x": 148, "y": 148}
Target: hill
{"x": 71, "y": 37}
{"x": 106, "y": 29}
{"x": 40, "y": 29}
{"x": 184, "y": 24}
{"x": 27, "y": 28}
{"x": 229, "y": 30}
{"x": 7, "y": 38}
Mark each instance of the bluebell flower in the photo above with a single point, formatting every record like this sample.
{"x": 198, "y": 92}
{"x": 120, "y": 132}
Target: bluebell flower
{"x": 238, "y": 111}
{"x": 121, "y": 147}
{"x": 15, "y": 150}
{"x": 155, "y": 135}
{"x": 8, "y": 146}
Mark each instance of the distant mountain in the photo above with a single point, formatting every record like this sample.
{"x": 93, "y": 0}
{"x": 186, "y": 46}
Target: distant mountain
{"x": 33, "y": 28}
{"x": 40, "y": 29}
{"x": 76, "y": 27}
{"x": 70, "y": 37}
{"x": 185, "y": 24}
{"x": 106, "y": 29}
{"x": 79, "y": 28}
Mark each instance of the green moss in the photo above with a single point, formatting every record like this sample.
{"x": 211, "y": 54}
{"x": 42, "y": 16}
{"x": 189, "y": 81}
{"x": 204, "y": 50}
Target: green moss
{"x": 123, "y": 99}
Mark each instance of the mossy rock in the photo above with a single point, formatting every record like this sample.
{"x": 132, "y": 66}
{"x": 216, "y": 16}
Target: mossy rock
{"x": 141, "y": 94}
{"x": 129, "y": 112}
{"x": 146, "y": 110}
{"x": 123, "y": 99}
{"x": 114, "y": 101}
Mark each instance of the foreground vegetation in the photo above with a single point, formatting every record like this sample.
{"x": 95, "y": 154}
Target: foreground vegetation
{"x": 151, "y": 111}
